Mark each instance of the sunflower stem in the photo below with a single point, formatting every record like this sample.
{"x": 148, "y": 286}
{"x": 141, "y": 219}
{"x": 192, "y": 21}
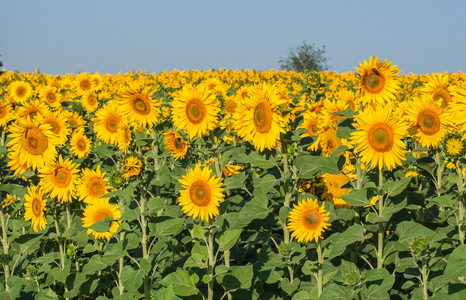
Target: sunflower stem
{"x": 381, "y": 229}
{"x": 61, "y": 248}
{"x": 218, "y": 171}
{"x": 319, "y": 269}
{"x": 145, "y": 254}
{"x": 424, "y": 277}
{"x": 6, "y": 246}
{"x": 461, "y": 233}
{"x": 211, "y": 263}
{"x": 440, "y": 167}
{"x": 357, "y": 210}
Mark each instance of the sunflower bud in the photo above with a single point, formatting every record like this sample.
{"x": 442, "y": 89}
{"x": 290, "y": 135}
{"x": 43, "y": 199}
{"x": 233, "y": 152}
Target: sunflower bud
{"x": 418, "y": 245}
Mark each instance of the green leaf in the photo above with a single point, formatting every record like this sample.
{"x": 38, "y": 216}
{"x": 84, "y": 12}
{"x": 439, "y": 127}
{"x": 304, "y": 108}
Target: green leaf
{"x": 353, "y": 234}
{"x": 132, "y": 279}
{"x": 102, "y": 225}
{"x": 153, "y": 205}
{"x": 358, "y": 198}
{"x": 198, "y": 258}
{"x": 336, "y": 292}
{"x": 228, "y": 239}
{"x": 380, "y": 277}
{"x": 394, "y": 187}
{"x": 235, "y": 181}
{"x": 302, "y": 295}
{"x": 239, "y": 278}
{"x": 456, "y": 266}
{"x": 289, "y": 287}
{"x": 116, "y": 252}
{"x": 182, "y": 282}
{"x": 61, "y": 274}
{"x": 166, "y": 293}
{"x": 161, "y": 226}
{"x": 374, "y": 292}
{"x": 257, "y": 208}
{"x": 258, "y": 160}
{"x": 445, "y": 201}
{"x": 94, "y": 265}
{"x": 309, "y": 166}
{"x": 15, "y": 285}
{"x": 29, "y": 243}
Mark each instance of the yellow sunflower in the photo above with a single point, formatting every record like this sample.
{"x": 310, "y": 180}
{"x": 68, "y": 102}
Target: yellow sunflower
{"x": 132, "y": 166}
{"x": 83, "y": 83}
{"x": 80, "y": 145}
{"x": 124, "y": 135}
{"x": 92, "y": 185}
{"x": 20, "y": 91}
{"x": 258, "y": 119}
{"x": 312, "y": 125}
{"x": 175, "y": 143}
{"x": 378, "y": 137}
{"x": 59, "y": 179}
{"x": 89, "y": 101}
{"x": 97, "y": 211}
{"x": 32, "y": 144}
{"x": 378, "y": 81}
{"x": 335, "y": 186}
{"x": 329, "y": 141}
{"x": 35, "y": 208}
{"x": 137, "y": 106}
{"x": 6, "y": 114}
{"x": 49, "y": 94}
{"x": 429, "y": 122}
{"x": 106, "y": 122}
{"x": 194, "y": 110}
{"x": 439, "y": 88}
{"x": 307, "y": 220}
{"x": 453, "y": 145}
{"x": 33, "y": 109}
{"x": 202, "y": 193}
{"x": 57, "y": 121}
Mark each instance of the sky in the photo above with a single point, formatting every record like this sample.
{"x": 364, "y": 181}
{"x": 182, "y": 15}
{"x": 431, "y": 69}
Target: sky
{"x": 61, "y": 37}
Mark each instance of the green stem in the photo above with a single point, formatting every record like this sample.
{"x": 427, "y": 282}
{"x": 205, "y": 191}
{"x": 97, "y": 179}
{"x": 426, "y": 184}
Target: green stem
{"x": 424, "y": 279}
{"x": 218, "y": 171}
{"x": 440, "y": 166}
{"x": 357, "y": 210}
{"x": 461, "y": 233}
{"x": 381, "y": 229}
{"x": 61, "y": 248}
{"x": 211, "y": 263}
{"x": 6, "y": 246}
{"x": 319, "y": 269}
{"x": 145, "y": 254}
{"x": 121, "y": 287}
{"x": 226, "y": 256}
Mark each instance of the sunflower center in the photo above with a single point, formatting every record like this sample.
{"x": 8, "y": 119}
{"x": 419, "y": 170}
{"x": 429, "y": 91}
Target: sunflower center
{"x": 178, "y": 143}
{"x": 140, "y": 105}
{"x": 454, "y": 146}
{"x": 311, "y": 219}
{"x": 81, "y": 145}
{"x": 101, "y": 214}
{"x": 51, "y": 97}
{"x": 374, "y": 82}
{"x": 441, "y": 94}
{"x": 96, "y": 187}
{"x": 61, "y": 177}
{"x": 381, "y": 137}
{"x": 34, "y": 141}
{"x": 263, "y": 117}
{"x": 2, "y": 112}
{"x": 195, "y": 111}
{"x": 230, "y": 106}
{"x": 85, "y": 84}
{"x": 112, "y": 124}
{"x": 428, "y": 122}
{"x": 37, "y": 207}
{"x": 21, "y": 91}
{"x": 200, "y": 193}
{"x": 92, "y": 100}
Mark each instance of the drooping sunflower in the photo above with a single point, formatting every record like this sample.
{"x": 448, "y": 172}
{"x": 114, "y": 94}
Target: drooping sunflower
{"x": 378, "y": 137}
{"x": 132, "y": 165}
{"x": 32, "y": 143}
{"x": 194, "y": 110}
{"x": 20, "y": 91}
{"x": 429, "y": 121}
{"x": 378, "y": 81}
{"x": 106, "y": 122}
{"x": 6, "y": 114}
{"x": 35, "y": 208}
{"x": 335, "y": 186}
{"x": 99, "y": 210}
{"x": 59, "y": 179}
{"x": 92, "y": 185}
{"x": 307, "y": 220}
{"x": 60, "y": 127}
{"x": 80, "y": 144}
{"x": 137, "y": 105}
{"x": 258, "y": 119}
{"x": 202, "y": 193}
{"x": 175, "y": 143}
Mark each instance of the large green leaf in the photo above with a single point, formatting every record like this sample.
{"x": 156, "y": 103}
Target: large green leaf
{"x": 456, "y": 266}
{"x": 308, "y": 166}
{"x": 163, "y": 226}
{"x": 239, "y": 277}
{"x": 358, "y": 198}
{"x": 351, "y": 235}
{"x": 228, "y": 239}
{"x": 183, "y": 282}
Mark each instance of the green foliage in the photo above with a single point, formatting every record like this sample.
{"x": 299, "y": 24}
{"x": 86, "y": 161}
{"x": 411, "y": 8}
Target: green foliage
{"x": 304, "y": 58}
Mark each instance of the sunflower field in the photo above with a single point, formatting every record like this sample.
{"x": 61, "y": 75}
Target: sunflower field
{"x": 230, "y": 184}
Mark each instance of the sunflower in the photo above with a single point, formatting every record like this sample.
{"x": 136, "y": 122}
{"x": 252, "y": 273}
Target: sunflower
{"x": 312, "y": 125}
{"x": 138, "y": 106}
{"x": 229, "y": 170}
{"x": 59, "y": 179}
{"x": 8, "y": 201}
{"x": 202, "y": 193}
{"x": 378, "y": 81}
{"x": 98, "y": 211}
{"x": 6, "y": 114}
{"x": 33, "y": 109}
{"x": 57, "y": 121}
{"x": 439, "y": 88}
{"x": 20, "y": 91}
{"x": 454, "y": 145}
{"x": 92, "y": 185}
{"x": 106, "y": 122}
{"x": 335, "y": 187}
{"x": 329, "y": 141}
{"x": 378, "y": 137}
{"x": 80, "y": 145}
{"x": 89, "y": 101}
{"x": 124, "y": 135}
{"x": 428, "y": 121}
{"x": 49, "y": 94}
{"x": 83, "y": 83}
{"x": 194, "y": 110}
{"x": 35, "y": 208}
{"x": 307, "y": 220}
{"x": 132, "y": 165}
{"x": 258, "y": 119}
{"x": 74, "y": 119}
{"x": 175, "y": 143}
{"x": 32, "y": 143}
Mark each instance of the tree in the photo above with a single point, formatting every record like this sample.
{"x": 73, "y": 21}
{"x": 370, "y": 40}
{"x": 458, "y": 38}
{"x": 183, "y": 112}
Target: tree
{"x": 1, "y": 65}
{"x": 305, "y": 58}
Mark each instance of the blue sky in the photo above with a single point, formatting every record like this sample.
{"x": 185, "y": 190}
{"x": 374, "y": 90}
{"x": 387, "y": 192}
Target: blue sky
{"x": 60, "y": 37}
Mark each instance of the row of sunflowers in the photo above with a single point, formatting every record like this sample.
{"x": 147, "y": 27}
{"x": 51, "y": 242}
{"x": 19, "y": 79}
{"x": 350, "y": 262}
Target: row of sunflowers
{"x": 233, "y": 184}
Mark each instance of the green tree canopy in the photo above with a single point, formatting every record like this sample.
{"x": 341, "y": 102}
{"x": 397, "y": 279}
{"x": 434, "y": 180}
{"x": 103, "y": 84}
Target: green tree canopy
{"x": 305, "y": 58}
